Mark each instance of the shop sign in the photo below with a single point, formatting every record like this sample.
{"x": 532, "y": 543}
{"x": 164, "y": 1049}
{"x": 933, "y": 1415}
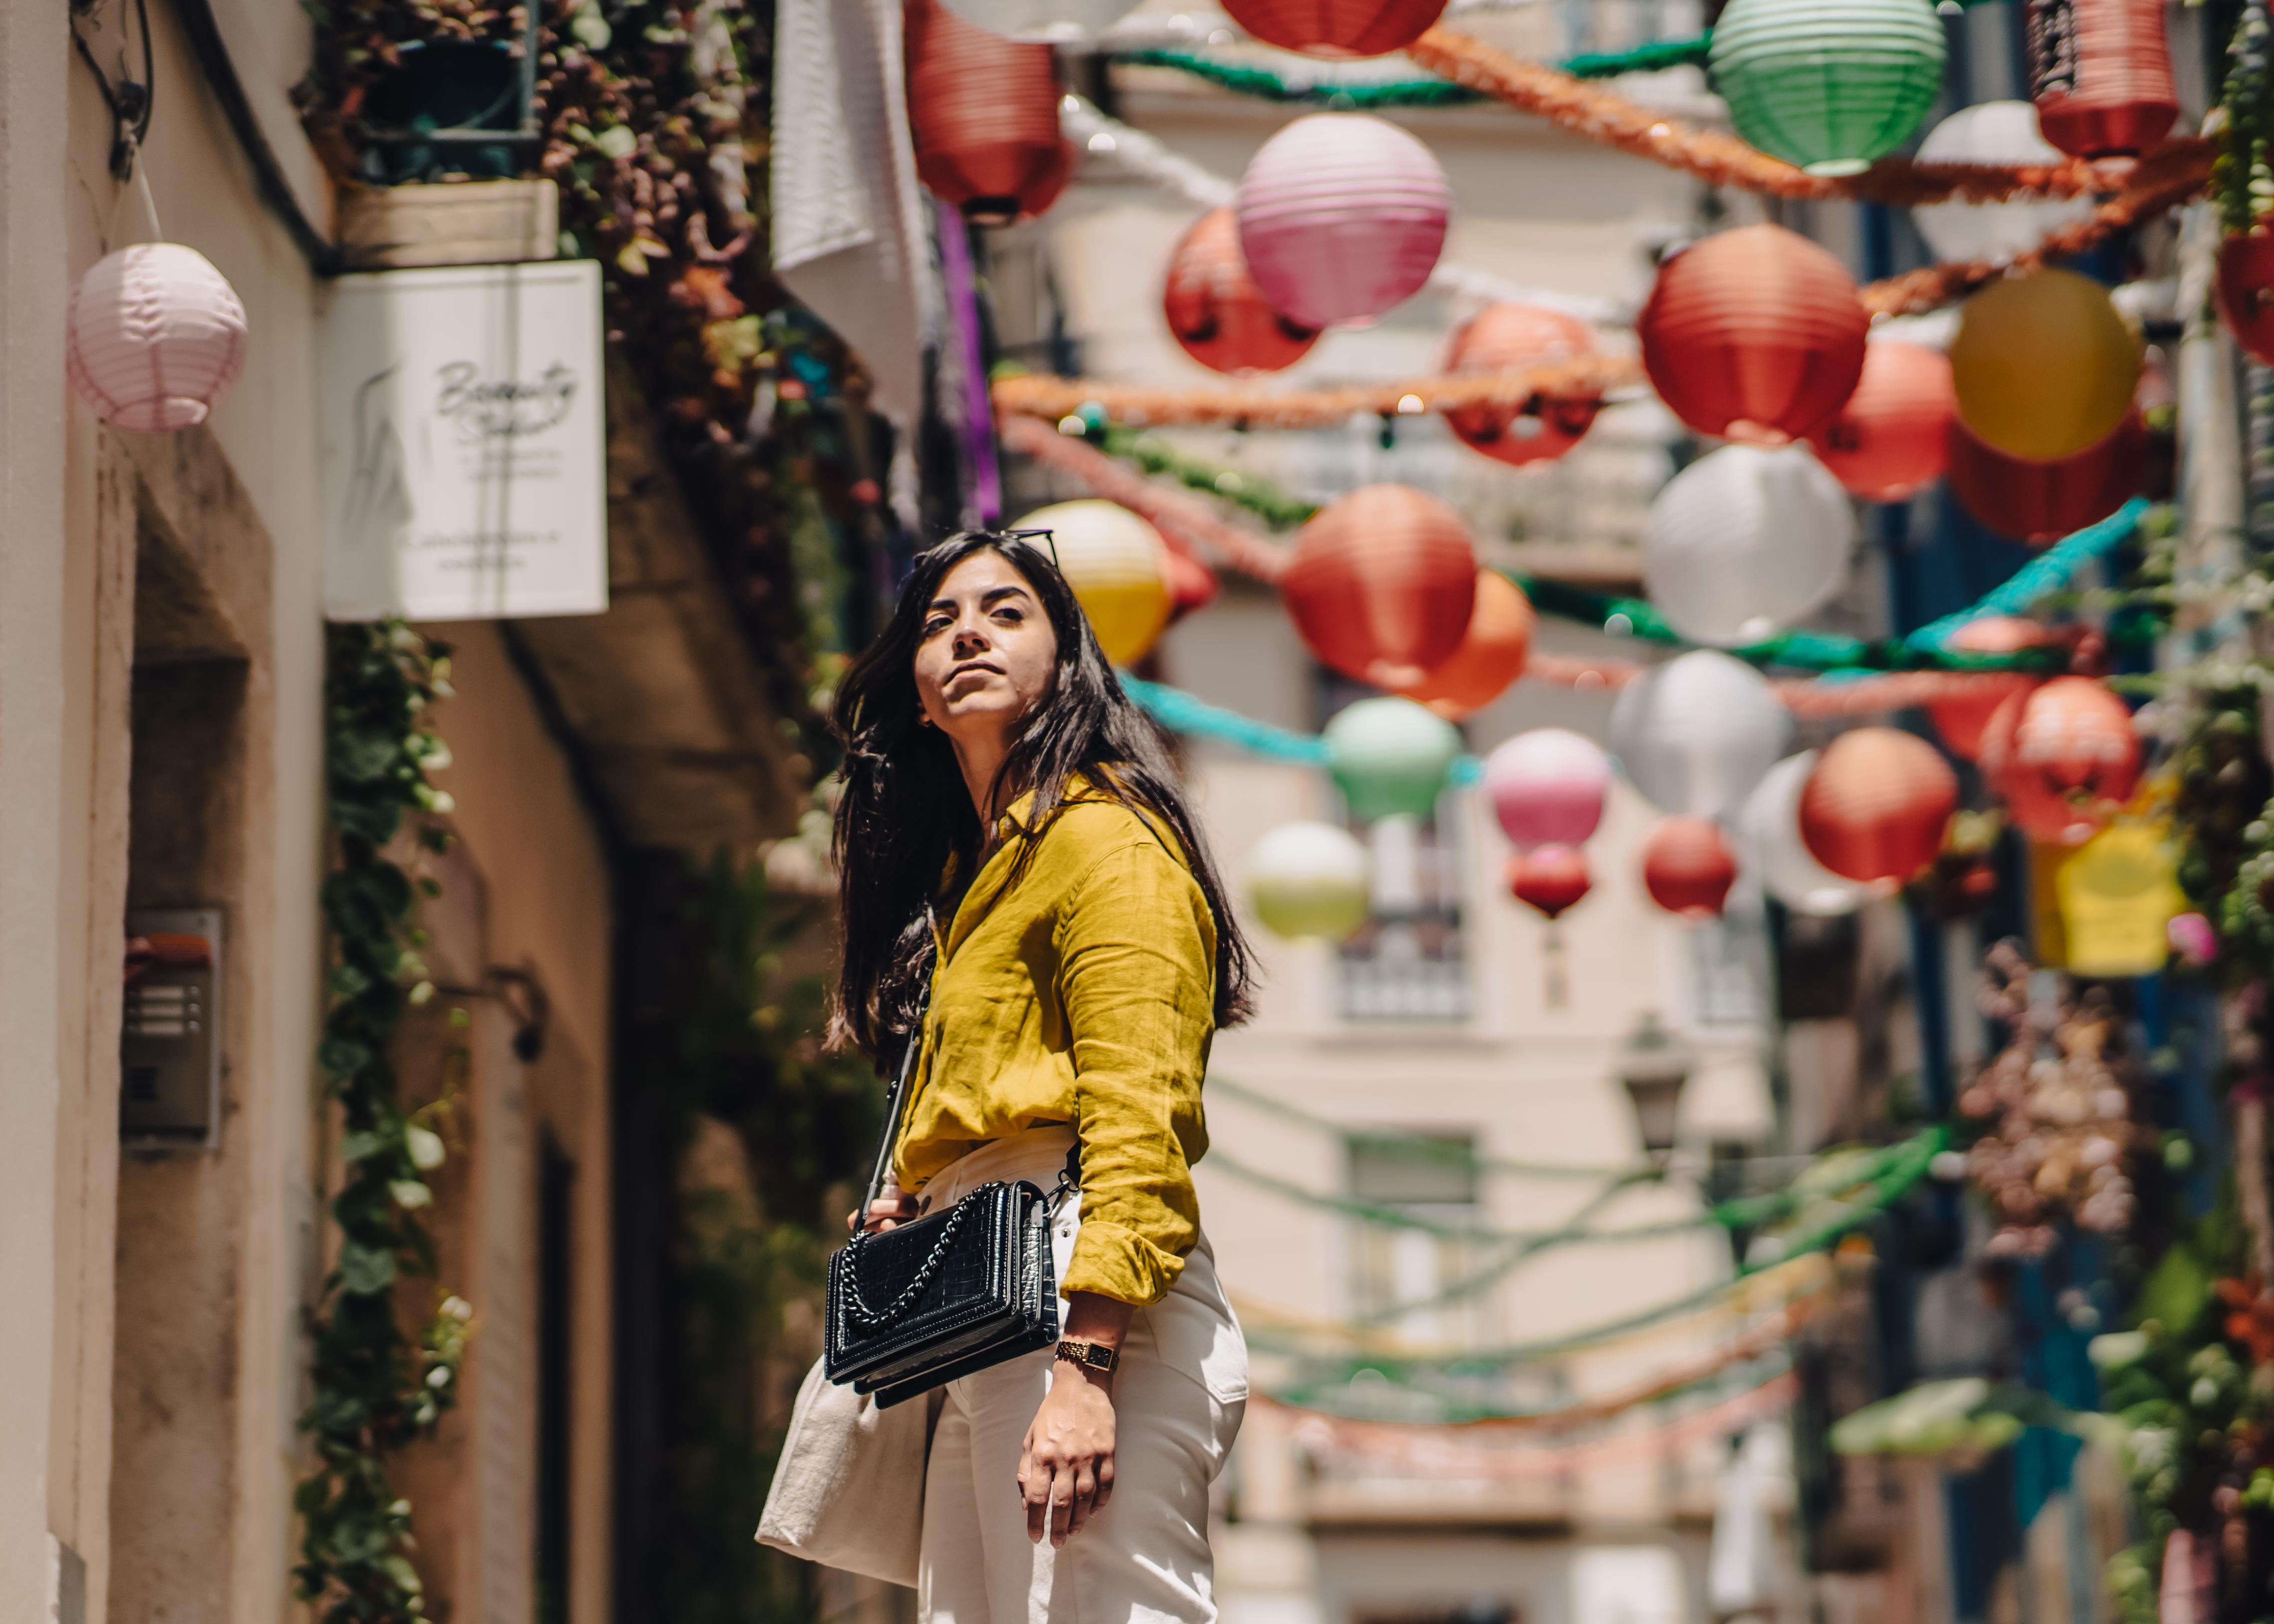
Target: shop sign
{"x": 464, "y": 450}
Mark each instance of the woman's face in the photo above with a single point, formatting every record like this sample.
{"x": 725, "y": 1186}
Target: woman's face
{"x": 987, "y": 654}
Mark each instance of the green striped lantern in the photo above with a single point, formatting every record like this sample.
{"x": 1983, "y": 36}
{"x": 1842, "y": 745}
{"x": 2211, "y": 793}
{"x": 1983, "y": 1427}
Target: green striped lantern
{"x": 1390, "y": 755}
{"x": 1829, "y": 84}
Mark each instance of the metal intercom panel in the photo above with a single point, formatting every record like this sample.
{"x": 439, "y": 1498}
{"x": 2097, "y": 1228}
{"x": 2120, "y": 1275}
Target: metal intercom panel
{"x": 170, "y": 1048}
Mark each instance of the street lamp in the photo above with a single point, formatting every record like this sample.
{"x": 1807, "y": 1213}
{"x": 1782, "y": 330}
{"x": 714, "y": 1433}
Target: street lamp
{"x": 1652, "y": 1066}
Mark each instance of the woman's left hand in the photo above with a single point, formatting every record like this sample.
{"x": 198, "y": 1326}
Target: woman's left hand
{"x": 1066, "y": 1473}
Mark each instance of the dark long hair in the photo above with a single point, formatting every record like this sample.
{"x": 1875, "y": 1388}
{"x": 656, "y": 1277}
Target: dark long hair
{"x": 905, "y": 809}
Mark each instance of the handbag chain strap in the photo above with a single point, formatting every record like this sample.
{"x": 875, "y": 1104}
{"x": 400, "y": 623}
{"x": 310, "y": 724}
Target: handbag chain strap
{"x": 871, "y": 1317}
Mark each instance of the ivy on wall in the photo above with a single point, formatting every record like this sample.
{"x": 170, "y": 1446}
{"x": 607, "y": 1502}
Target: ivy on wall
{"x": 376, "y": 1387}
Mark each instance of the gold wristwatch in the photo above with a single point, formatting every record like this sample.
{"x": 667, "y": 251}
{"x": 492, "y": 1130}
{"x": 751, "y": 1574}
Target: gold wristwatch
{"x": 1090, "y": 1356}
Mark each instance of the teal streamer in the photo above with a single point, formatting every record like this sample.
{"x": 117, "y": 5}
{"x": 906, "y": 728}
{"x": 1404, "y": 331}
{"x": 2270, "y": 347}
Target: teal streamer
{"x": 2048, "y": 572}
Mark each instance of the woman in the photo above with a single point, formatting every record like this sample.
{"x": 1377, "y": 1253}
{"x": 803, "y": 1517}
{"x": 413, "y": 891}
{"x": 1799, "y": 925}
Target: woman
{"x": 1011, "y": 834}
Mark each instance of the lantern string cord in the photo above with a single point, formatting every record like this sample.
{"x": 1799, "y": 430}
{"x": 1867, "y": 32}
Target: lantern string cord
{"x": 1606, "y": 117}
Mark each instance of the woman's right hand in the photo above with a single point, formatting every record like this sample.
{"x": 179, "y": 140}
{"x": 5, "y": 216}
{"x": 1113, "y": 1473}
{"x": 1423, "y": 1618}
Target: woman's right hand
{"x": 890, "y": 1209}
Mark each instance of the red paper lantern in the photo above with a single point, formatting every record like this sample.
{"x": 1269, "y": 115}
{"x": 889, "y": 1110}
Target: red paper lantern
{"x": 983, "y": 117}
{"x": 1876, "y": 806}
{"x": 1215, "y": 310}
{"x": 1887, "y": 441}
{"x": 2064, "y": 756}
{"x": 1340, "y": 28}
{"x": 1191, "y": 584}
{"x": 1687, "y": 866}
{"x": 1962, "y": 719}
{"x": 1551, "y": 878}
{"x": 1491, "y": 655}
{"x": 2100, "y": 72}
{"x": 2038, "y": 503}
{"x": 1507, "y": 338}
{"x": 2246, "y": 292}
{"x": 1382, "y": 584}
{"x": 1755, "y": 333}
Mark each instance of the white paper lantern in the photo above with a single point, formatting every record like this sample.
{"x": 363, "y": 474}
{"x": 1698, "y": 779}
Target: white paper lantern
{"x": 1769, "y": 824}
{"x": 1744, "y": 541}
{"x": 1056, "y": 22}
{"x": 1696, "y": 733}
{"x": 1993, "y": 132}
{"x": 153, "y": 337}
{"x": 1310, "y": 880}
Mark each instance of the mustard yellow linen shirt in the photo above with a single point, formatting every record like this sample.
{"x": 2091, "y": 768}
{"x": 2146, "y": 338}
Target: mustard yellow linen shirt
{"x": 1082, "y": 993}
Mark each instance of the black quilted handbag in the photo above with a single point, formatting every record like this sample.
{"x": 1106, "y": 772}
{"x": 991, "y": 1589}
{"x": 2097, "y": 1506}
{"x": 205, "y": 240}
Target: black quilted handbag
{"x": 952, "y": 1292}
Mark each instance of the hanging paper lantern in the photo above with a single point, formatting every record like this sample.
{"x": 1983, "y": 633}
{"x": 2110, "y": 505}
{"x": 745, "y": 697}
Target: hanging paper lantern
{"x": 1887, "y": 443}
{"x": 1381, "y": 583}
{"x": 1215, "y": 310}
{"x": 1491, "y": 655}
{"x": 1769, "y": 824}
{"x": 2119, "y": 895}
{"x": 1510, "y": 338}
{"x": 1755, "y": 333}
{"x": 2038, "y": 503}
{"x": 1547, "y": 786}
{"x": 2245, "y": 292}
{"x": 153, "y": 337}
{"x": 1745, "y": 540}
{"x": 983, "y": 117}
{"x": 2064, "y": 756}
{"x": 1875, "y": 806}
{"x": 1191, "y": 584}
{"x": 2100, "y": 72}
{"x": 1696, "y": 733}
{"x": 1341, "y": 216}
{"x": 2042, "y": 365}
{"x": 1118, "y": 566}
{"x": 1390, "y": 755}
{"x": 1310, "y": 880}
{"x": 1056, "y": 22}
{"x": 2193, "y": 938}
{"x": 1336, "y": 29}
{"x": 1687, "y": 867}
{"x": 1829, "y": 88}
{"x": 1993, "y": 132}
{"x": 1962, "y": 719}
{"x": 1550, "y": 878}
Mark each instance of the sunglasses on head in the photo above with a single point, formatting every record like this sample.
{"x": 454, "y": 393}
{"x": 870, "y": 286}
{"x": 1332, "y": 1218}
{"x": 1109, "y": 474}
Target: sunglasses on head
{"x": 1049, "y": 536}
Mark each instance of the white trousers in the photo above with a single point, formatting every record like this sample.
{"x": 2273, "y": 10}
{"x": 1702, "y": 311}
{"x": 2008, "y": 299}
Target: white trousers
{"x": 1177, "y": 1399}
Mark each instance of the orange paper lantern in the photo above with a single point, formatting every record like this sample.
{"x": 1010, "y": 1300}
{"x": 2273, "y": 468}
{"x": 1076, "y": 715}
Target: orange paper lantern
{"x": 2038, "y": 502}
{"x": 1876, "y": 806}
{"x": 1336, "y": 29}
{"x": 2246, "y": 292}
{"x": 1492, "y": 652}
{"x": 1887, "y": 441}
{"x": 1509, "y": 338}
{"x": 1551, "y": 878}
{"x": 2100, "y": 72}
{"x": 1962, "y": 719}
{"x": 2064, "y": 756}
{"x": 1755, "y": 333}
{"x": 1191, "y": 584}
{"x": 1382, "y": 584}
{"x": 1215, "y": 310}
{"x": 1687, "y": 866}
{"x": 983, "y": 117}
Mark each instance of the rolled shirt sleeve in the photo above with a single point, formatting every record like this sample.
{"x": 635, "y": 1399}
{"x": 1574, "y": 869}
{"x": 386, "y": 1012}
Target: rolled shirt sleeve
{"x": 1136, "y": 950}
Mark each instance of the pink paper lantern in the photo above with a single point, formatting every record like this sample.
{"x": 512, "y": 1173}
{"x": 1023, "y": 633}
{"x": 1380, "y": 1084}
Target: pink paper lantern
{"x": 1342, "y": 217}
{"x": 153, "y": 337}
{"x": 1547, "y": 786}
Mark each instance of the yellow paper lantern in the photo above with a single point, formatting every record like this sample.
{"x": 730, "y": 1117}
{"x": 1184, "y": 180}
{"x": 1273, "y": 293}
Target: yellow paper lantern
{"x": 1118, "y": 566}
{"x": 2044, "y": 366}
{"x": 2119, "y": 892}
{"x": 1310, "y": 880}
